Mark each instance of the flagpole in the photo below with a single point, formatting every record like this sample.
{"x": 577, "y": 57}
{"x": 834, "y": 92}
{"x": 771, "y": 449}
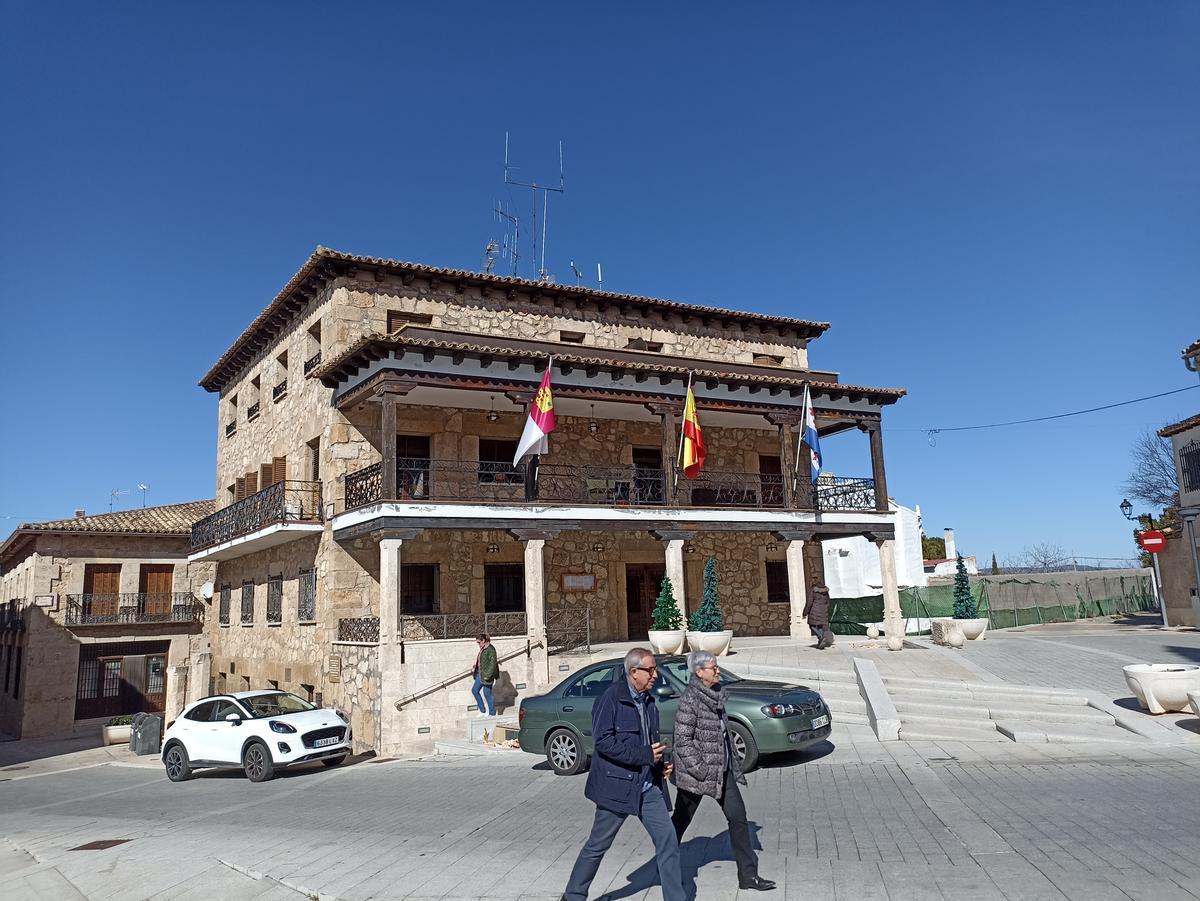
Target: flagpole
{"x": 800, "y": 440}
{"x": 682, "y": 423}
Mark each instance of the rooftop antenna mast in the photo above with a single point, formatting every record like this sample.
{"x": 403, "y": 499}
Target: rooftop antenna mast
{"x": 546, "y": 190}
{"x": 509, "y": 248}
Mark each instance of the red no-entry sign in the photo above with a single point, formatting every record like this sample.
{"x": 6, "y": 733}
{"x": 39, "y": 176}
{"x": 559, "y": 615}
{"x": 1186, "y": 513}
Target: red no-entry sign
{"x": 1152, "y": 541}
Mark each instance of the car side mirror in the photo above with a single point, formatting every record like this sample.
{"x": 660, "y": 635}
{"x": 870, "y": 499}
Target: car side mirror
{"x": 233, "y": 718}
{"x": 665, "y": 691}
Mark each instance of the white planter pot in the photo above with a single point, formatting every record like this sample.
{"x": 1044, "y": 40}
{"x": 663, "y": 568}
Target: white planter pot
{"x": 716, "y": 643}
{"x": 1194, "y": 698}
{"x": 666, "y": 641}
{"x": 115, "y": 735}
{"x": 1160, "y": 687}
{"x": 972, "y": 629}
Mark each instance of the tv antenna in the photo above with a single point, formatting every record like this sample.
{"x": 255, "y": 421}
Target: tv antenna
{"x": 546, "y": 190}
{"x": 114, "y": 494}
{"x": 578, "y": 274}
{"x": 143, "y": 488}
{"x": 509, "y": 245}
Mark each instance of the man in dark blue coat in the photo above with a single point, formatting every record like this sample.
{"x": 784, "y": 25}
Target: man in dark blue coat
{"x": 628, "y": 778}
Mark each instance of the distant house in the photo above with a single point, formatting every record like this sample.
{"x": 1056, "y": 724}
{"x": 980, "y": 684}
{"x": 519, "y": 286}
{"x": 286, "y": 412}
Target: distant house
{"x": 852, "y": 564}
{"x": 1180, "y": 560}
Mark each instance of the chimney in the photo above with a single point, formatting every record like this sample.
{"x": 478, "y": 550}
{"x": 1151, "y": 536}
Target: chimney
{"x": 79, "y": 514}
{"x": 951, "y": 550}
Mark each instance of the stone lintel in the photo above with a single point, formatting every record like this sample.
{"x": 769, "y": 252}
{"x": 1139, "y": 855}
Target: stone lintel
{"x": 395, "y": 534}
{"x": 672, "y": 534}
{"x": 793, "y": 535}
{"x": 533, "y": 534}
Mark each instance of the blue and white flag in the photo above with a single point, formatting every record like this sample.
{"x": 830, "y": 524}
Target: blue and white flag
{"x": 808, "y": 433}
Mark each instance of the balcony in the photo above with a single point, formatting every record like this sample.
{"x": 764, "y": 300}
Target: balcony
{"x": 231, "y": 429}
{"x": 468, "y": 482}
{"x": 252, "y": 412}
{"x": 133, "y": 608}
{"x": 279, "y": 513}
{"x": 312, "y": 363}
{"x": 279, "y": 392}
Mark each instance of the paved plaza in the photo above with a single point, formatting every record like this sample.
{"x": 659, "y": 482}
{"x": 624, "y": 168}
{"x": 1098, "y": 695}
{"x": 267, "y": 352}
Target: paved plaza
{"x": 852, "y": 819}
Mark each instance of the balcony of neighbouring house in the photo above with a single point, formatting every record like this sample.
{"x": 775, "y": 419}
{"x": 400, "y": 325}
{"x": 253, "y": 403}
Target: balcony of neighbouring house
{"x": 131, "y": 608}
{"x": 282, "y": 512}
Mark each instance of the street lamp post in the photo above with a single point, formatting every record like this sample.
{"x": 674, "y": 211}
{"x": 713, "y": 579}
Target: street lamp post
{"x": 1127, "y": 510}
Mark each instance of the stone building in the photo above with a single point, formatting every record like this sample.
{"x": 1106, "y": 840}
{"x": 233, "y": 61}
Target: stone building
{"x": 1180, "y": 559}
{"x": 370, "y": 519}
{"x": 101, "y": 617}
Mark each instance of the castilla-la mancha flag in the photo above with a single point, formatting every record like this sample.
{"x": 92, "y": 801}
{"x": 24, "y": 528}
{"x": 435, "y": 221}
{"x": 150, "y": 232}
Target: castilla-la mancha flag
{"x": 540, "y": 422}
{"x": 693, "y": 439}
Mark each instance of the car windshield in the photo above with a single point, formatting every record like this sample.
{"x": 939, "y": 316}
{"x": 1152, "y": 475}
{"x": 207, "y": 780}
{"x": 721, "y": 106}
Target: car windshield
{"x": 678, "y": 669}
{"x": 276, "y": 703}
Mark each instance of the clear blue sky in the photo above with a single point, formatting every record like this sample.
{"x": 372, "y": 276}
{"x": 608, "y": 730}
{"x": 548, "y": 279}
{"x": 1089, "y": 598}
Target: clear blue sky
{"x": 996, "y": 205}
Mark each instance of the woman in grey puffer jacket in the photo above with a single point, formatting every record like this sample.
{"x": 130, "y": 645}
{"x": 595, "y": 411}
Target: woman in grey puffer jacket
{"x": 705, "y": 764}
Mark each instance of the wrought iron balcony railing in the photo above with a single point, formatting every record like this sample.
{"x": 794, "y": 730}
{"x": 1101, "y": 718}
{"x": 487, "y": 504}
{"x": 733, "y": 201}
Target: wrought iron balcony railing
{"x": 359, "y": 628}
{"x": 230, "y": 428}
{"x": 279, "y": 392}
{"x": 133, "y": 607}
{"x": 440, "y": 626}
{"x": 617, "y": 485}
{"x": 312, "y": 363}
{"x": 252, "y": 412}
{"x": 284, "y": 502}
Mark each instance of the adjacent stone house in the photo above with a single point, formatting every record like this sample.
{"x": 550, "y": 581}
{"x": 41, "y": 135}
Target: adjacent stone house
{"x": 1180, "y": 559}
{"x": 370, "y": 519}
{"x": 101, "y": 617}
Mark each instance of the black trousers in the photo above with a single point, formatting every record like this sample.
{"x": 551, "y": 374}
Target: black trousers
{"x": 735, "y": 814}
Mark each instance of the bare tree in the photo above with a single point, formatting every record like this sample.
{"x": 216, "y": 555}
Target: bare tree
{"x": 1045, "y": 558}
{"x": 1153, "y": 481}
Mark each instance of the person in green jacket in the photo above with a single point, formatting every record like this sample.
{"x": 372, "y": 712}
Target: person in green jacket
{"x": 486, "y": 671}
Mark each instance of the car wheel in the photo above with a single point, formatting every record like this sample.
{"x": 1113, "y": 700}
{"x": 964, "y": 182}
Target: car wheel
{"x": 744, "y": 746}
{"x": 177, "y": 764}
{"x": 333, "y": 761}
{"x": 256, "y": 761}
{"x": 563, "y": 752}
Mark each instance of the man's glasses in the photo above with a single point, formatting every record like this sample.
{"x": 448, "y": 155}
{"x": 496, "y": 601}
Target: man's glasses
{"x": 648, "y": 669}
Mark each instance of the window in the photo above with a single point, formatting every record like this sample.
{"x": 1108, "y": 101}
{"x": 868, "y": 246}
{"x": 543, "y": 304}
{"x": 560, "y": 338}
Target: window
{"x": 223, "y": 708}
{"x": 223, "y": 614}
{"x": 643, "y": 344}
{"x": 110, "y": 684}
{"x": 419, "y": 588}
{"x": 202, "y": 713}
{"x": 503, "y": 588}
{"x": 279, "y": 392}
{"x": 156, "y": 665}
{"x": 247, "y": 603}
{"x": 570, "y": 337}
{"x": 767, "y": 360}
{"x": 777, "y": 582}
{"x": 593, "y": 684}
{"x": 275, "y": 600}
{"x": 306, "y": 605}
{"x": 397, "y": 319}
{"x": 1189, "y": 466}
{"x": 495, "y": 462}
{"x": 770, "y": 474}
{"x": 314, "y": 459}
{"x": 312, "y": 354}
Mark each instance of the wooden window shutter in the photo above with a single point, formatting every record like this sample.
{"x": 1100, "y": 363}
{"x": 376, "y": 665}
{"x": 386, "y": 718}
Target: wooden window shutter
{"x": 251, "y": 483}
{"x": 239, "y": 489}
{"x": 315, "y": 461}
{"x": 280, "y": 467}
{"x": 265, "y": 472}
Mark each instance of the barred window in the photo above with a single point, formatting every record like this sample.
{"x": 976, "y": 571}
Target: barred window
{"x": 1189, "y": 465}
{"x": 247, "y": 603}
{"x": 275, "y": 600}
{"x": 224, "y": 610}
{"x": 777, "y": 582}
{"x": 306, "y": 607}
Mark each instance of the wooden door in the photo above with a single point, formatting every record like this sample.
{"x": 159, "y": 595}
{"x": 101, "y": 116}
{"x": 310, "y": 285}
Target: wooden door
{"x": 412, "y": 467}
{"x": 648, "y": 475}
{"x": 156, "y": 582}
{"x": 101, "y": 591}
{"x": 154, "y": 695}
{"x": 641, "y": 591}
{"x": 770, "y": 472}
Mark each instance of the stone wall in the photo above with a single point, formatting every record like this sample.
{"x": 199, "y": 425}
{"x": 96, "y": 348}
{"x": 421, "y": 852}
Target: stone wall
{"x": 354, "y": 689}
{"x": 1179, "y": 578}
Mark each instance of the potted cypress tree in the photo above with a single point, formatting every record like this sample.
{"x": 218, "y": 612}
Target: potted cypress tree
{"x": 705, "y": 632}
{"x": 966, "y": 610}
{"x": 666, "y": 622}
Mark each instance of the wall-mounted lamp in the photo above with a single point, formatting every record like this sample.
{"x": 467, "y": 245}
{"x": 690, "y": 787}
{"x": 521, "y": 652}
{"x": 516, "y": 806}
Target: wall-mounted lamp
{"x": 598, "y": 548}
{"x": 772, "y": 548}
{"x": 689, "y": 548}
{"x": 493, "y": 548}
{"x": 593, "y": 426}
{"x": 492, "y": 415}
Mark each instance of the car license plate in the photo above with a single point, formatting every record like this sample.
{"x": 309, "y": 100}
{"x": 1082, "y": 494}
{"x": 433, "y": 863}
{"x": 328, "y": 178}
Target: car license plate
{"x": 819, "y": 721}
{"x": 322, "y": 742}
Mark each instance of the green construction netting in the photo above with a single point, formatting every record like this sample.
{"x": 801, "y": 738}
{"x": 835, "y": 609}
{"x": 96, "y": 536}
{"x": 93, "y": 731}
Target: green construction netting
{"x": 1009, "y": 601}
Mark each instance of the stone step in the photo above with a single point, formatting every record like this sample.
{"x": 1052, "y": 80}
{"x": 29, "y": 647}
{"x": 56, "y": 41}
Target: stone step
{"x": 983, "y": 696}
{"x": 933, "y": 721}
{"x": 962, "y": 709}
{"x": 1001, "y": 688}
{"x": 1067, "y": 733}
{"x": 477, "y": 725}
{"x": 941, "y": 729}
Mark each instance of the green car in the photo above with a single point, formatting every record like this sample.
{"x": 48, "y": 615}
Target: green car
{"x": 764, "y": 717}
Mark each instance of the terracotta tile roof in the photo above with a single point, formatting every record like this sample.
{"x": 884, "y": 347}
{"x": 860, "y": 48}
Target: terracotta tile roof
{"x": 321, "y": 264}
{"x": 362, "y": 351}
{"x": 171, "y": 519}
{"x": 1177, "y": 427}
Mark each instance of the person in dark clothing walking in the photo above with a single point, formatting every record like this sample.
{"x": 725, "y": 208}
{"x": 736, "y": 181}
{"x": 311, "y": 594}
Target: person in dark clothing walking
{"x": 705, "y": 764}
{"x": 816, "y": 611}
{"x": 628, "y": 778}
{"x": 485, "y": 672}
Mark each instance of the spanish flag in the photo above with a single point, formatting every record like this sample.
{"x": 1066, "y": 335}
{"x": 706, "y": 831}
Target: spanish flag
{"x": 693, "y": 440}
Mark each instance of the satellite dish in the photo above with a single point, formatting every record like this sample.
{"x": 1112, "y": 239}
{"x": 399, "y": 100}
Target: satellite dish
{"x": 206, "y": 591}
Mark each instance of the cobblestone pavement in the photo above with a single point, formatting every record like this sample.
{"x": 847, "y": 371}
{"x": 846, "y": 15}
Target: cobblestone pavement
{"x": 856, "y": 819}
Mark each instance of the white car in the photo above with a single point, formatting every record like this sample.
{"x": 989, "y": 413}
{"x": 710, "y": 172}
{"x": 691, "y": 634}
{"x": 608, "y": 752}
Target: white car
{"x": 258, "y": 731}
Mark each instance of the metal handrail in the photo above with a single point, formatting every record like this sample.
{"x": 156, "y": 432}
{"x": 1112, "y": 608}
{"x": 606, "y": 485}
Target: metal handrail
{"x": 458, "y": 677}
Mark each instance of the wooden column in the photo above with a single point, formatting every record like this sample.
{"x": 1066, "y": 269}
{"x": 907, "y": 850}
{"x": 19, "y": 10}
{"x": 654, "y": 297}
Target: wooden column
{"x": 388, "y": 446}
{"x": 875, "y": 431}
{"x": 787, "y": 453}
{"x": 670, "y": 446}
